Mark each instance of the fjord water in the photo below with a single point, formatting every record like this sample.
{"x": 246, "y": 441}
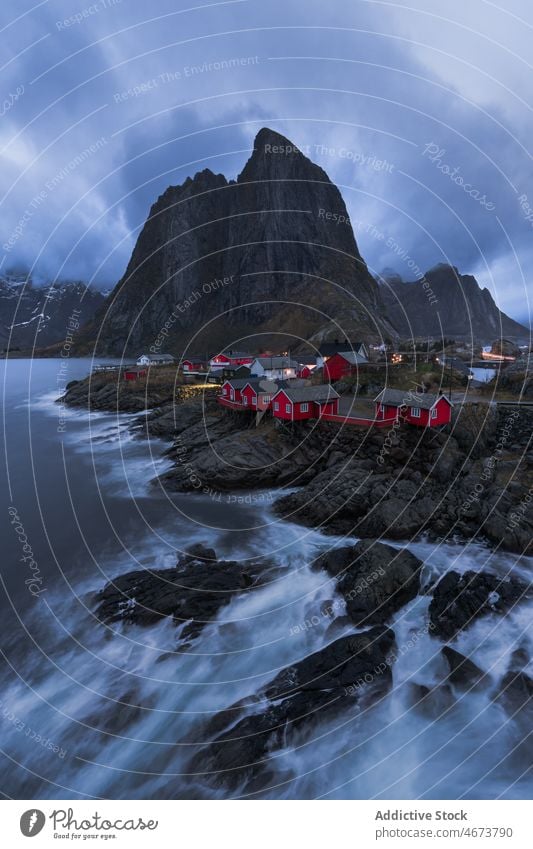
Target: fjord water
{"x": 80, "y": 486}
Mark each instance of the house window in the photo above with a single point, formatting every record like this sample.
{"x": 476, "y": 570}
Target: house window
{"x": 276, "y": 405}
{"x": 288, "y": 408}
{"x": 434, "y": 413}
{"x": 266, "y": 399}
{"x": 254, "y": 401}
{"x": 232, "y": 394}
{"x": 245, "y": 400}
{"x": 304, "y": 408}
{"x": 415, "y": 412}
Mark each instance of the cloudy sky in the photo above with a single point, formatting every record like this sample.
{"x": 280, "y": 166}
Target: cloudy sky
{"x": 420, "y": 111}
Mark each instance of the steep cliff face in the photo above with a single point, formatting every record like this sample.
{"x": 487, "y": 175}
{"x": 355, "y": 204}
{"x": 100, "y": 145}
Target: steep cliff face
{"x": 273, "y": 251}
{"x": 447, "y": 303}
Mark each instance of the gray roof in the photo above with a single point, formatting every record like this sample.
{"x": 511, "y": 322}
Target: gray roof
{"x": 352, "y": 357}
{"x": 239, "y": 355}
{"x": 260, "y": 384}
{"x": 276, "y": 362}
{"x": 324, "y": 392}
{"x": 306, "y": 359}
{"x": 410, "y": 398}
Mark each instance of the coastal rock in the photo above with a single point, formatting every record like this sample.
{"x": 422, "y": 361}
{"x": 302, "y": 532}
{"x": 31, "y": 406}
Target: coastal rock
{"x": 515, "y": 692}
{"x": 350, "y": 670}
{"x": 464, "y": 673}
{"x": 431, "y": 702}
{"x": 192, "y": 593}
{"x": 374, "y": 579}
{"x": 458, "y": 600}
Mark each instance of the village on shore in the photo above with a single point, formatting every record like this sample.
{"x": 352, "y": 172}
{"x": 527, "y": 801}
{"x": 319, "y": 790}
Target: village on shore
{"x": 348, "y": 382}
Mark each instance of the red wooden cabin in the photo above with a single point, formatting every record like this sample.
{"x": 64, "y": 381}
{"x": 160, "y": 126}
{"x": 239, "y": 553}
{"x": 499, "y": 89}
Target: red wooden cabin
{"x": 258, "y": 394}
{"x": 193, "y": 364}
{"x": 343, "y": 364}
{"x": 305, "y": 402}
{"x": 231, "y": 359}
{"x": 134, "y": 372}
{"x": 420, "y": 409}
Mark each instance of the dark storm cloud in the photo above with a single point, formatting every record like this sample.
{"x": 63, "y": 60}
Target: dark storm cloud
{"x": 423, "y": 122}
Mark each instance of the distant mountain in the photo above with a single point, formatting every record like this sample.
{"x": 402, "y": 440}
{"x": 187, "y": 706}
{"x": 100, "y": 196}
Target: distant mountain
{"x": 38, "y": 316}
{"x": 218, "y": 260}
{"x": 446, "y": 303}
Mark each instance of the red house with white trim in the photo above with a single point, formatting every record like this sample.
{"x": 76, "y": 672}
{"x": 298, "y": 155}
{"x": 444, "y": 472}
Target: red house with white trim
{"x": 343, "y": 364}
{"x": 258, "y": 394}
{"x": 420, "y": 409}
{"x": 249, "y": 393}
{"x": 193, "y": 364}
{"x": 231, "y": 359}
{"x": 304, "y": 402}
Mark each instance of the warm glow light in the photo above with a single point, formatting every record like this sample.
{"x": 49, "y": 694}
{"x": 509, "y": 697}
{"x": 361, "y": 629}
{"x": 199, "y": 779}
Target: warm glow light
{"x": 486, "y": 355}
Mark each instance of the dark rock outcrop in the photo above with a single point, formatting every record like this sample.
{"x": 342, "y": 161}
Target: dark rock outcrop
{"x": 515, "y": 692}
{"x": 351, "y": 670}
{"x": 192, "y": 592}
{"x": 458, "y": 600}
{"x": 464, "y": 673}
{"x": 375, "y": 579}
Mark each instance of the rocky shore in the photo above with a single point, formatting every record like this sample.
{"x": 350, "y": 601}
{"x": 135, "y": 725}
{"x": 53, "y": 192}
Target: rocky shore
{"x": 473, "y": 480}
{"x": 468, "y": 482}
{"x": 352, "y": 673}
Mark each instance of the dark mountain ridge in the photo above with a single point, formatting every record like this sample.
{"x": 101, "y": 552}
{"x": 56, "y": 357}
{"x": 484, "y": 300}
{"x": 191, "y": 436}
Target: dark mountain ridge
{"x": 39, "y": 316}
{"x": 445, "y": 302}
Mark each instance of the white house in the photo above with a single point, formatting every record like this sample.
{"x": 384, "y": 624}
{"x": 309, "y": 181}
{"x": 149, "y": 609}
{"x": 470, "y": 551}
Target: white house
{"x": 274, "y": 368}
{"x": 155, "y": 360}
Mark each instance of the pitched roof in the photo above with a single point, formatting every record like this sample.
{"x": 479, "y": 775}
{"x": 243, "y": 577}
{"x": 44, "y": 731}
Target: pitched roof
{"x": 352, "y": 357}
{"x": 276, "y": 362}
{"x": 306, "y": 359}
{"x": 410, "y": 398}
{"x": 239, "y": 355}
{"x": 323, "y": 392}
{"x": 259, "y": 384}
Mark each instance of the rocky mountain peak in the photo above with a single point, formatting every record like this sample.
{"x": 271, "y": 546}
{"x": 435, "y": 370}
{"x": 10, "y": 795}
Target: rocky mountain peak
{"x": 280, "y": 237}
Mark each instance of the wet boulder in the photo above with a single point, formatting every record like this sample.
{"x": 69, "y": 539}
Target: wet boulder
{"x": 458, "y": 600}
{"x": 515, "y": 692}
{"x": 374, "y": 579}
{"x": 464, "y": 673}
{"x": 353, "y": 670}
{"x": 431, "y": 702}
{"x": 192, "y": 592}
